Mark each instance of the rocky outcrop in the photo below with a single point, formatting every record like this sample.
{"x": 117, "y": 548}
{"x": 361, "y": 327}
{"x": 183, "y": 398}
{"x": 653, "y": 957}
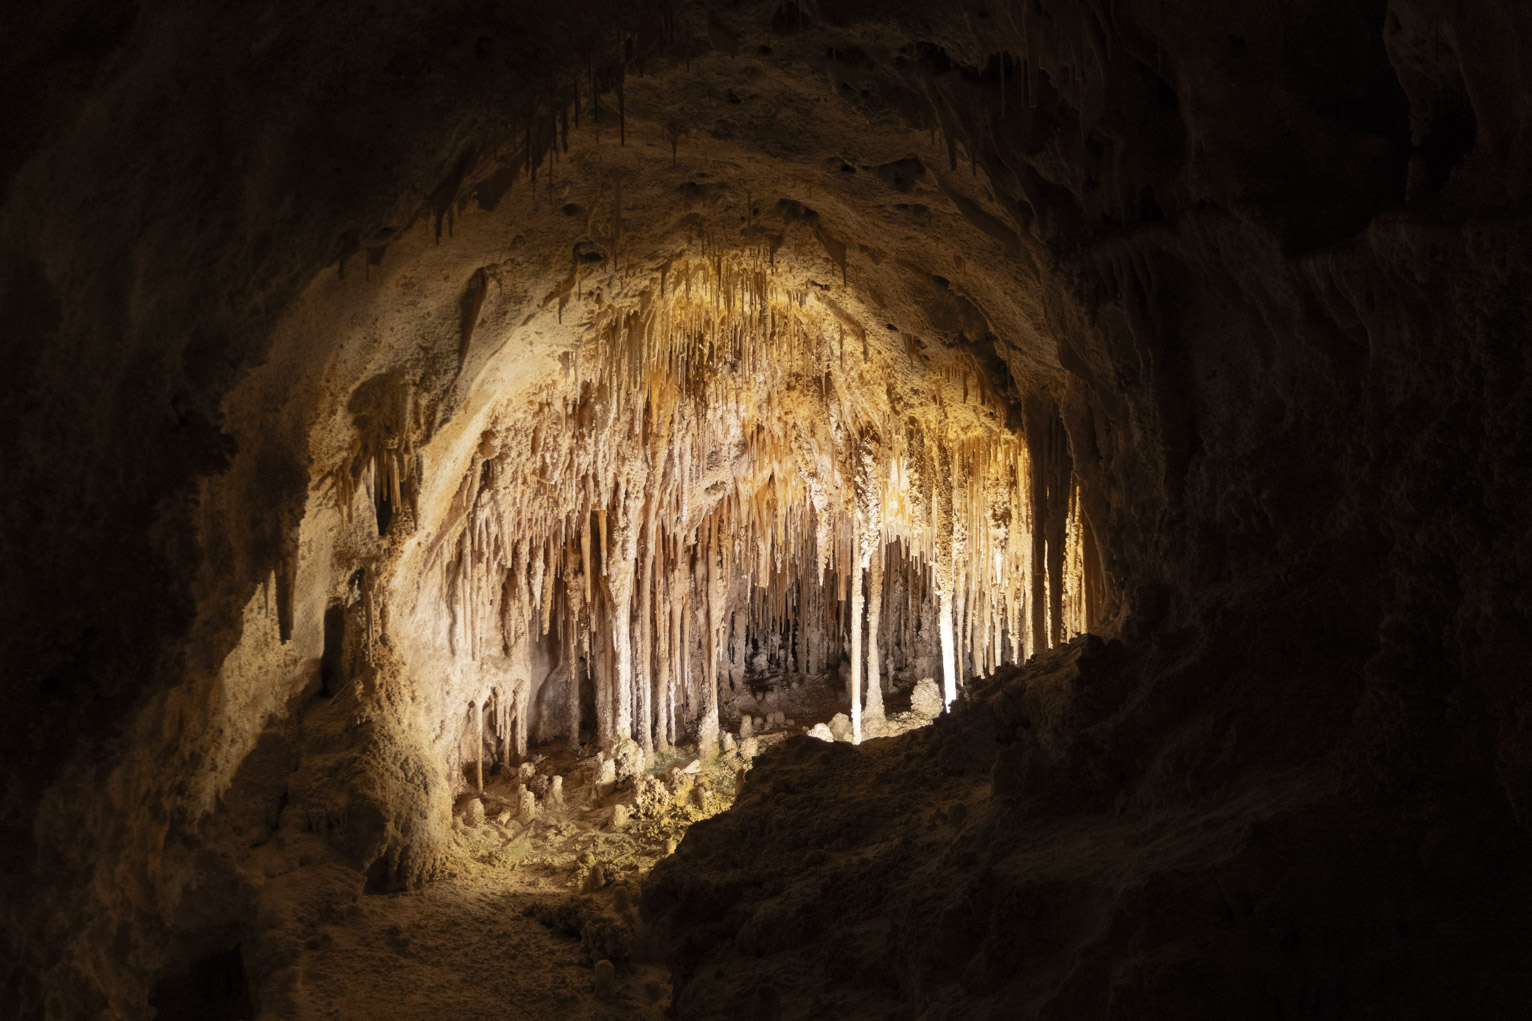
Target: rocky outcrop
{"x": 1122, "y": 828}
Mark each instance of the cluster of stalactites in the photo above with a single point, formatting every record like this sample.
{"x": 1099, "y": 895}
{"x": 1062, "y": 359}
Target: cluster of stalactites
{"x": 716, "y": 454}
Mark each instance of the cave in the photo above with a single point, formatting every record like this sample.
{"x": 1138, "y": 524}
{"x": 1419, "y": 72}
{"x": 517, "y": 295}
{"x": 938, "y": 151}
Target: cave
{"x": 766, "y": 509}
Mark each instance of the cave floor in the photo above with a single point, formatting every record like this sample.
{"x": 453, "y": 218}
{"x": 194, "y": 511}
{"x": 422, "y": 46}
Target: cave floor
{"x": 462, "y": 948}
{"x": 465, "y": 945}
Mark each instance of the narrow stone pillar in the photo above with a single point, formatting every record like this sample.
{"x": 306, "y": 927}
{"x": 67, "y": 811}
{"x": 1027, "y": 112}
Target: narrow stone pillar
{"x": 874, "y": 612}
{"x": 478, "y": 708}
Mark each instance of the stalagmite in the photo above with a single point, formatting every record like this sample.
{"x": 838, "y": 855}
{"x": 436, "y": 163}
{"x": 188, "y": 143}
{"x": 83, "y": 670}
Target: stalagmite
{"x": 874, "y": 711}
{"x": 643, "y": 651}
{"x": 619, "y": 578}
{"x": 854, "y": 678}
{"x": 707, "y": 735}
{"x": 945, "y": 583}
{"x": 478, "y": 708}
{"x": 573, "y": 588}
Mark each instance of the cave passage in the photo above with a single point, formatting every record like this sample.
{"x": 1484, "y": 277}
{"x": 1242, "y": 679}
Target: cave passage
{"x": 730, "y": 514}
{"x": 726, "y": 486}
{"x": 694, "y": 510}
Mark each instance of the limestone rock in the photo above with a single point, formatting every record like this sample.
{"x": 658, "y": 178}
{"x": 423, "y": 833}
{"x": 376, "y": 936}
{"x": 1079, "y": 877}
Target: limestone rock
{"x": 473, "y": 812}
{"x": 926, "y": 701}
{"x": 822, "y": 732}
{"x": 840, "y": 727}
{"x": 556, "y": 791}
{"x": 606, "y": 778}
{"x": 651, "y": 796}
{"x": 746, "y": 728}
{"x": 628, "y": 763}
{"x": 527, "y": 809}
{"x": 748, "y": 749}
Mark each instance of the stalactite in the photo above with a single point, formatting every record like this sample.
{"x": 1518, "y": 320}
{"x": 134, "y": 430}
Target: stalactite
{"x": 728, "y": 485}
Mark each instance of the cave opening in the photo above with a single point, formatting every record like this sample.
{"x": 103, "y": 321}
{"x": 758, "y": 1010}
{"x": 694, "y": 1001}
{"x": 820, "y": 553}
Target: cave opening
{"x": 730, "y": 514}
{"x": 710, "y": 472}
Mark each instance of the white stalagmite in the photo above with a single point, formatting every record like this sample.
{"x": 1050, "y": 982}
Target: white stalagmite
{"x": 662, "y": 679}
{"x": 619, "y": 580}
{"x": 574, "y": 589}
{"x": 707, "y": 734}
{"x": 946, "y": 568}
{"x": 874, "y": 713}
{"x": 478, "y": 753}
{"x": 854, "y": 678}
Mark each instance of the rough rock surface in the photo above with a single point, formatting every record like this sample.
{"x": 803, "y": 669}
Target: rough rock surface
{"x": 1253, "y": 276}
{"x": 1065, "y": 845}
{"x": 926, "y": 699}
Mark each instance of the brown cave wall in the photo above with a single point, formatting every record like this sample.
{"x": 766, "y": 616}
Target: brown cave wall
{"x": 1272, "y": 271}
{"x": 1297, "y": 400}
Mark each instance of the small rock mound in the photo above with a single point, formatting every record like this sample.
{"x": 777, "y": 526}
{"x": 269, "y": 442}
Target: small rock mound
{"x": 630, "y": 763}
{"x": 926, "y": 700}
{"x": 603, "y": 936}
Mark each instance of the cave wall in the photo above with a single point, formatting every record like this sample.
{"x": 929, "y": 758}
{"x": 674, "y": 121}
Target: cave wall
{"x": 1297, "y": 398}
{"x": 1269, "y": 262}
